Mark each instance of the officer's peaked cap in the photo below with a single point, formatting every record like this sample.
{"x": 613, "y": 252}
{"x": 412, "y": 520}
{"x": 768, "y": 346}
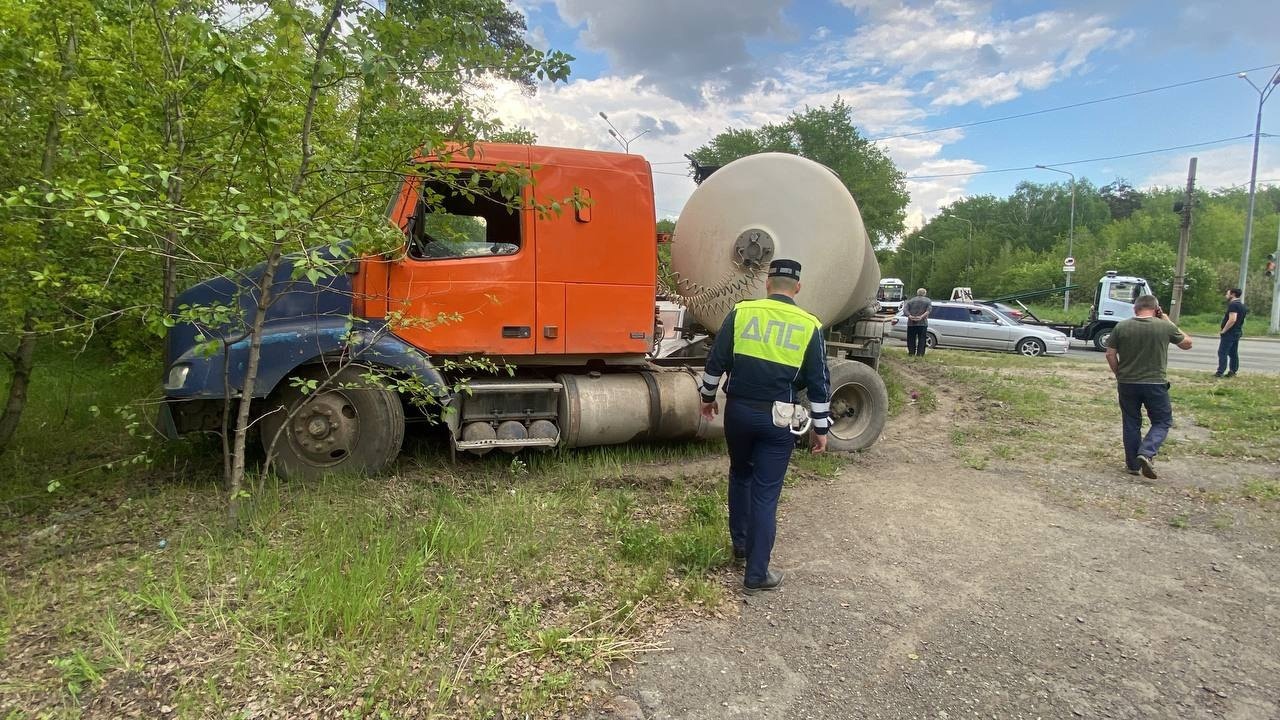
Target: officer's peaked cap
{"x": 785, "y": 268}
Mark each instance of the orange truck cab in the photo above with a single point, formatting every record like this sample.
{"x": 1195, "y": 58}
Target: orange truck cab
{"x": 574, "y": 285}
{"x": 567, "y": 298}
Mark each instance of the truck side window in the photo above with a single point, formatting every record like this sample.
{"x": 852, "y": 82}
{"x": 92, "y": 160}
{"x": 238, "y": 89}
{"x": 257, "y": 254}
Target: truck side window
{"x": 458, "y": 226}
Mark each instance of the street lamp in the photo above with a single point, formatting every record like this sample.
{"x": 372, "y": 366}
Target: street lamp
{"x": 1264, "y": 92}
{"x": 968, "y": 270}
{"x": 932, "y": 251}
{"x": 624, "y": 142}
{"x": 911, "y": 278}
{"x": 1071, "y": 232}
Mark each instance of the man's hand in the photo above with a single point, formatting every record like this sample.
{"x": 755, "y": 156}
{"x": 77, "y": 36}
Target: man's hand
{"x": 709, "y": 410}
{"x": 819, "y": 443}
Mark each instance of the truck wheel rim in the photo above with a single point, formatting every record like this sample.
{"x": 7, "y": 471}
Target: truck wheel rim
{"x": 325, "y": 430}
{"x": 847, "y": 419}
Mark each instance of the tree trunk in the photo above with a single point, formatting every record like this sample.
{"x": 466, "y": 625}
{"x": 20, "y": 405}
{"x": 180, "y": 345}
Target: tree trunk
{"x": 175, "y": 138}
{"x": 23, "y": 360}
{"x": 235, "y": 481}
{"x": 24, "y": 357}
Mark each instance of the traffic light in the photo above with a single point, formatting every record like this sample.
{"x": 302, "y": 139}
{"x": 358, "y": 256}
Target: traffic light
{"x": 1271, "y": 265}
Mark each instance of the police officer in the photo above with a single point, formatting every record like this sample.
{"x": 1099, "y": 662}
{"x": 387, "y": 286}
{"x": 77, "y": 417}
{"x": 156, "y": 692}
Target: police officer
{"x": 771, "y": 349}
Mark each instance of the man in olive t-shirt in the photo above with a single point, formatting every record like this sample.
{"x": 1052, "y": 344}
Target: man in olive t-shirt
{"x": 1138, "y": 353}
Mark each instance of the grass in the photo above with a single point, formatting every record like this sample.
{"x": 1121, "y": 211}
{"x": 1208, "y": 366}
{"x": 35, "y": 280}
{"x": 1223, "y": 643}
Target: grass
{"x": 1208, "y": 324}
{"x": 490, "y": 587}
{"x": 1242, "y": 414}
{"x": 1263, "y": 490}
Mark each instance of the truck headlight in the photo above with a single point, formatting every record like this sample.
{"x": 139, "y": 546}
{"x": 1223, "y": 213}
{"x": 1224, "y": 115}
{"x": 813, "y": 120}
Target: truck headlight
{"x": 177, "y": 377}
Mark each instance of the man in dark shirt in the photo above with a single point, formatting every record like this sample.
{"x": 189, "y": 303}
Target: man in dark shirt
{"x": 1229, "y": 335}
{"x": 1138, "y": 353}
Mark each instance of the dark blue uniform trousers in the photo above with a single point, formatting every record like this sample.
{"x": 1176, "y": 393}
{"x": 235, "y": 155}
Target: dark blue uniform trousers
{"x": 758, "y": 455}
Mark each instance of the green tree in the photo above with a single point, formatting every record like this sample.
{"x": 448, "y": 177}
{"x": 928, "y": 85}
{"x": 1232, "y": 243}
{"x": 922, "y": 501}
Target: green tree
{"x": 229, "y": 142}
{"x": 826, "y": 135}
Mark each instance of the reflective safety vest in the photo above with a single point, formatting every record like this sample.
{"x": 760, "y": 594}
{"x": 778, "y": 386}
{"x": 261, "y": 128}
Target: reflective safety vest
{"x": 774, "y": 331}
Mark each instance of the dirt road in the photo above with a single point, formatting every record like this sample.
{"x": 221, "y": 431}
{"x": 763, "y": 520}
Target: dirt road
{"x": 918, "y": 586}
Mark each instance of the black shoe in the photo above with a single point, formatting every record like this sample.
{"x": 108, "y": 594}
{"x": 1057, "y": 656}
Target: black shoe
{"x": 1230, "y": 374}
{"x": 771, "y": 582}
{"x": 1131, "y": 472}
{"x": 1218, "y": 375}
{"x": 739, "y": 555}
{"x": 1147, "y": 466}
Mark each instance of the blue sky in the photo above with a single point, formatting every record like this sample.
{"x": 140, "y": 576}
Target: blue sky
{"x": 687, "y": 69}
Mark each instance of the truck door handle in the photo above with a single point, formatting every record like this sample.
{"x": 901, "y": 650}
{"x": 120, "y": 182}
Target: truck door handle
{"x": 1108, "y": 312}
{"x": 515, "y": 331}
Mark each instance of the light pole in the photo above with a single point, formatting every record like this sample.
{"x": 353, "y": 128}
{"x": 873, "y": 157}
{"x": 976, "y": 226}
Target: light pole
{"x": 932, "y": 251}
{"x": 968, "y": 270}
{"x": 1071, "y": 233}
{"x": 1264, "y": 92}
{"x": 911, "y": 278}
{"x": 624, "y": 142}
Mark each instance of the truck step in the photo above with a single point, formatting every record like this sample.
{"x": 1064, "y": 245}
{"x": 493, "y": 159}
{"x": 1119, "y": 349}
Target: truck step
{"x": 517, "y": 443}
{"x": 481, "y": 387}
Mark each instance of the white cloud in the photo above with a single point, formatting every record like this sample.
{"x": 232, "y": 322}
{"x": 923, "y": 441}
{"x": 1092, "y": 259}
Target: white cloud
{"x": 968, "y": 55}
{"x": 537, "y": 37}
{"x": 1219, "y": 168}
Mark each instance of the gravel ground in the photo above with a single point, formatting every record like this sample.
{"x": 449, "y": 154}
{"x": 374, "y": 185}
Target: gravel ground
{"x": 919, "y": 587}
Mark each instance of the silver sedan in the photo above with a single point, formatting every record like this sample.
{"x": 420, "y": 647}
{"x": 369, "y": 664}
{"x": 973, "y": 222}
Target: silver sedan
{"x": 978, "y": 327}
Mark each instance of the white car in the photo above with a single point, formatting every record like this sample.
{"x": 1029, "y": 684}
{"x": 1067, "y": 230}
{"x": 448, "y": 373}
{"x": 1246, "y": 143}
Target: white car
{"x": 979, "y": 327}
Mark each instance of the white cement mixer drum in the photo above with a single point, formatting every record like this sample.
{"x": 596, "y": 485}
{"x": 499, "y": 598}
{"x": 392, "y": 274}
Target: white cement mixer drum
{"x": 764, "y": 207}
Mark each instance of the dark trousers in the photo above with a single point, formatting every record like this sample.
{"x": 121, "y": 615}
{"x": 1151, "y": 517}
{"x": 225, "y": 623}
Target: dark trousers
{"x": 916, "y": 335}
{"x": 758, "y": 456}
{"x": 1133, "y": 398}
{"x": 1228, "y": 352}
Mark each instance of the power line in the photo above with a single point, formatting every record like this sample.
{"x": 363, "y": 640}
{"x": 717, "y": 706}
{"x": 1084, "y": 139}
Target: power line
{"x": 1079, "y": 162}
{"x": 1068, "y": 107}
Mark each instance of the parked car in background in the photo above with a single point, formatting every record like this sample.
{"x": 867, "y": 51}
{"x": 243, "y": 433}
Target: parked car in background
{"x": 1013, "y": 312}
{"x": 978, "y": 327}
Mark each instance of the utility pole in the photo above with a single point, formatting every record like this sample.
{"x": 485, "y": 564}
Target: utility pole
{"x": 1184, "y": 241}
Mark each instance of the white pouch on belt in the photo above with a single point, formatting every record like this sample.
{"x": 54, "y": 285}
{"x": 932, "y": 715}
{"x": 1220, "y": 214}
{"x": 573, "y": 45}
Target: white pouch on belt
{"x": 791, "y": 416}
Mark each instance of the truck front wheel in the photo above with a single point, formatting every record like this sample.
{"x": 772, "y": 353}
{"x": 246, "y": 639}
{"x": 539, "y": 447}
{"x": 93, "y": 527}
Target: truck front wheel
{"x": 350, "y": 426}
{"x": 1100, "y": 338}
{"x": 859, "y": 406}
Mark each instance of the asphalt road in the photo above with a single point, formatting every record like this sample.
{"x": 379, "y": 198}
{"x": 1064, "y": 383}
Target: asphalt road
{"x": 1256, "y": 355}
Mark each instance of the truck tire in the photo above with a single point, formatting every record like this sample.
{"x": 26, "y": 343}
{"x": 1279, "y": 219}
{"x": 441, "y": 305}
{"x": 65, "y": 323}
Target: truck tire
{"x": 859, "y": 406}
{"x": 351, "y": 427}
{"x": 1100, "y": 338}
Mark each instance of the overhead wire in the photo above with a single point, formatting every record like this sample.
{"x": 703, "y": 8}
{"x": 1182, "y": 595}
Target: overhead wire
{"x": 1070, "y": 106}
{"x": 1079, "y": 162}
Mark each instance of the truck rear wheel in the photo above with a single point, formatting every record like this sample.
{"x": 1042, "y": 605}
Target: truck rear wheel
{"x": 859, "y": 406}
{"x": 352, "y": 426}
{"x": 1100, "y": 338}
